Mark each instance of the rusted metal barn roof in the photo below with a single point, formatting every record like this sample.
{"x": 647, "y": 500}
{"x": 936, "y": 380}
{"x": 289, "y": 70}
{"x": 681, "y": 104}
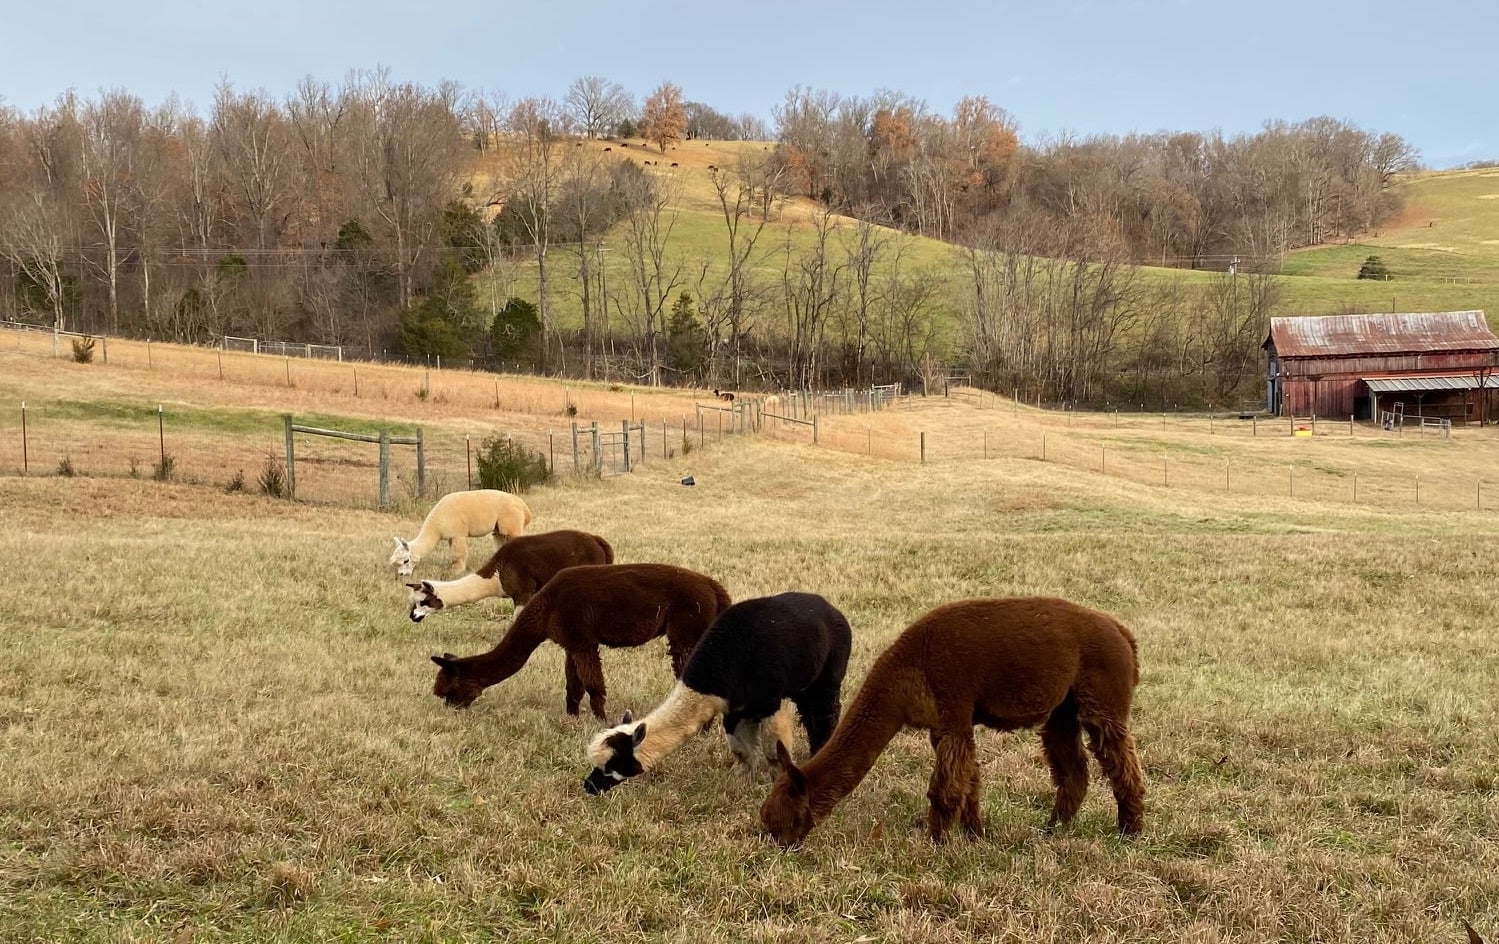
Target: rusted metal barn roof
{"x": 1418, "y": 384}
{"x": 1406, "y": 333}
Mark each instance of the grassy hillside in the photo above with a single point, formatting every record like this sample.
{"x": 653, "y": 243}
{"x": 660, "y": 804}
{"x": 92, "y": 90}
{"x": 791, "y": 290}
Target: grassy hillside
{"x": 1443, "y": 253}
{"x": 218, "y": 726}
{"x": 1444, "y": 248}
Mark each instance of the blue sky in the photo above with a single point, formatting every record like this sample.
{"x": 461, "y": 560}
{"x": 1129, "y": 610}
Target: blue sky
{"x": 1425, "y": 71}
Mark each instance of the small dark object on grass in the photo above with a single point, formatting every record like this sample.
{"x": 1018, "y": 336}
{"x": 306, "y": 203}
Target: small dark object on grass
{"x": 689, "y": 480}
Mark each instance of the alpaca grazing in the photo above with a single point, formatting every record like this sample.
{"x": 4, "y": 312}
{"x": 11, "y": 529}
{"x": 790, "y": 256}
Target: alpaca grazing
{"x": 520, "y": 568}
{"x": 757, "y": 655}
{"x": 455, "y": 518}
{"x": 1005, "y": 664}
{"x": 583, "y": 608}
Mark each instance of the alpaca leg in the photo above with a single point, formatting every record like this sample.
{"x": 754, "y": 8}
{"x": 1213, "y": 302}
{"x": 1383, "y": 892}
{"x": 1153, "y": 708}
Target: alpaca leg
{"x": 778, "y": 728}
{"x": 591, "y": 671}
{"x": 951, "y": 779}
{"x": 732, "y": 722}
{"x": 680, "y": 649}
{"x": 1062, "y": 739}
{"x": 819, "y": 714}
{"x": 973, "y": 821}
{"x": 574, "y": 683}
{"x": 460, "y": 554}
{"x": 1114, "y": 747}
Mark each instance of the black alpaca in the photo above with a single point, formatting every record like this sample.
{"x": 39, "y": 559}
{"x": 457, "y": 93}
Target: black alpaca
{"x": 758, "y": 654}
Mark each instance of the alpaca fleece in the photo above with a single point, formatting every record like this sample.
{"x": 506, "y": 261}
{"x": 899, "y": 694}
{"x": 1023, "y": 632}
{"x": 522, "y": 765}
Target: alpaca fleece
{"x": 755, "y": 656}
{"x": 1006, "y": 664}
{"x": 582, "y": 608}
{"x": 520, "y": 568}
{"x": 458, "y": 516}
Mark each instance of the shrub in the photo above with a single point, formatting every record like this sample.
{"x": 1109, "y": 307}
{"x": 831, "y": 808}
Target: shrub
{"x": 273, "y": 477}
{"x": 1374, "y": 268}
{"x": 164, "y": 468}
{"x": 65, "y": 467}
{"x": 510, "y": 466}
{"x": 83, "y": 350}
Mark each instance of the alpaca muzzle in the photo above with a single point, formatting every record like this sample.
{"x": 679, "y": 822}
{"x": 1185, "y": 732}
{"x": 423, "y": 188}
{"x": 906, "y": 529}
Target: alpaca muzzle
{"x": 601, "y": 781}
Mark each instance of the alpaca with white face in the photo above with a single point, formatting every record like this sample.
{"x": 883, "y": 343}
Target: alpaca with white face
{"x": 457, "y": 517}
{"x": 757, "y": 660}
{"x": 519, "y": 569}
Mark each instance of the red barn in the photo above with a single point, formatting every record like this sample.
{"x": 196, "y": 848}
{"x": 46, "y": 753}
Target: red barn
{"x": 1433, "y": 363}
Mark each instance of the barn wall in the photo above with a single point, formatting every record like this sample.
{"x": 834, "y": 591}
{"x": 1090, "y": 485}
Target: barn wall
{"x": 1329, "y": 386}
{"x": 1374, "y": 365}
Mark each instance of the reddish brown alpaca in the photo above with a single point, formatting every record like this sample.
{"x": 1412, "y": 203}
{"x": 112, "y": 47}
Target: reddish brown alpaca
{"x": 1005, "y": 664}
{"x": 583, "y": 608}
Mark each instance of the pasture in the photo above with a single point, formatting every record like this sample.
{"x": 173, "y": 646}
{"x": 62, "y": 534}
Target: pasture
{"x": 217, "y": 722}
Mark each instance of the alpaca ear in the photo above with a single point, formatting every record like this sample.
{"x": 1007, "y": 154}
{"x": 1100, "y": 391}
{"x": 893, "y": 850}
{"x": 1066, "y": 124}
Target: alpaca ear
{"x": 443, "y": 661}
{"x": 794, "y": 777}
{"x": 414, "y": 586}
{"x": 627, "y": 718}
{"x": 426, "y": 587}
{"x": 639, "y": 734}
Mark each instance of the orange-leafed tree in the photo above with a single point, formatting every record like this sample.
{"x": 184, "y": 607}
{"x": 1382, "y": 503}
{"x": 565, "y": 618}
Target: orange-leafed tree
{"x": 663, "y": 120}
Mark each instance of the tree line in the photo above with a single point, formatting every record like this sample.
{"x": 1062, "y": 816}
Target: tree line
{"x": 423, "y": 222}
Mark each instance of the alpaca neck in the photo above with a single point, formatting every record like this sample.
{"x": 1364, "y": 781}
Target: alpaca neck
{"x": 469, "y": 589}
{"x": 679, "y": 717}
{"x": 426, "y": 539}
{"x": 509, "y": 655}
{"x": 878, "y": 713}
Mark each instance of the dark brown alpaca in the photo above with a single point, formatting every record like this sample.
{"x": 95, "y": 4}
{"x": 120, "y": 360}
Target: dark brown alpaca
{"x": 520, "y": 568}
{"x": 1005, "y": 664}
{"x": 582, "y": 608}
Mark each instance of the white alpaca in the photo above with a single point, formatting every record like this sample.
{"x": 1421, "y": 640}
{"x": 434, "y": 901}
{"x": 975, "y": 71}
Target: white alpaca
{"x": 459, "y": 516}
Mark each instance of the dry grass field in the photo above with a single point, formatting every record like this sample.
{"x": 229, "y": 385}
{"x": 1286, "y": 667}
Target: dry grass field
{"x": 216, "y": 724}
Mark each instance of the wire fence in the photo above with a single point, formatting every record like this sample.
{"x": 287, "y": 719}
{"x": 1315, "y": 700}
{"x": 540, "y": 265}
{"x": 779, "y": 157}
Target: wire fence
{"x": 241, "y": 450}
{"x": 1204, "y": 453}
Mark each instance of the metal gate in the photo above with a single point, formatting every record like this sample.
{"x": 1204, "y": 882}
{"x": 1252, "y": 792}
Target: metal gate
{"x": 605, "y": 452}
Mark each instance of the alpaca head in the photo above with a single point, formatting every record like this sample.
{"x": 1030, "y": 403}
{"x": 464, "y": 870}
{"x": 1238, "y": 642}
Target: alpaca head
{"x": 453, "y": 685}
{"x": 613, "y": 756}
{"x": 787, "y": 813}
{"x": 400, "y": 558}
{"x": 424, "y": 600}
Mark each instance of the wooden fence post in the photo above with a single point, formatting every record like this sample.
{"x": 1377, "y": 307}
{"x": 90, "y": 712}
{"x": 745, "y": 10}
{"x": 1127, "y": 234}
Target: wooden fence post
{"x": 624, "y": 431}
{"x": 291, "y": 460}
{"x": 384, "y": 467}
{"x": 421, "y": 465}
{"x": 814, "y": 429}
{"x": 923, "y": 447}
{"x": 468, "y": 452}
{"x": 25, "y": 446}
{"x": 576, "y": 468}
{"x": 161, "y": 439}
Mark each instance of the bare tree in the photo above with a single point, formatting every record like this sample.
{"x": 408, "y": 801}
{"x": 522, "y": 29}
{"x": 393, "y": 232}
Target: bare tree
{"x": 405, "y": 144}
{"x": 811, "y": 283}
{"x": 584, "y": 213}
{"x": 597, "y": 106}
{"x": 863, "y": 254}
{"x": 730, "y": 305}
{"x": 33, "y": 239}
{"x": 651, "y": 214}
{"x": 536, "y": 166}
{"x": 113, "y": 128}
